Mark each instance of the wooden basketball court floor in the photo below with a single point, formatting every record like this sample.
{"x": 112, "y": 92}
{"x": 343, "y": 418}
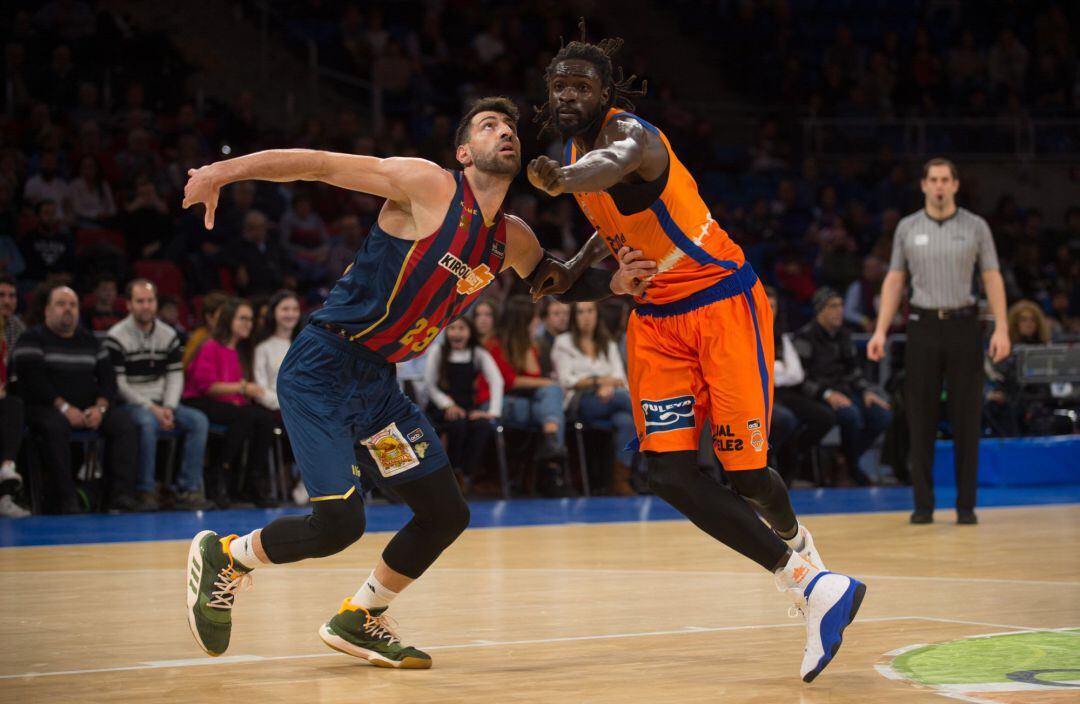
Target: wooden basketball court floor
{"x": 625, "y": 612}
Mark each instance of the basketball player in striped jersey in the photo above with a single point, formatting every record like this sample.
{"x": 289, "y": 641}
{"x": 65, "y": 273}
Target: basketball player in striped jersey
{"x": 700, "y": 340}
{"x": 440, "y": 239}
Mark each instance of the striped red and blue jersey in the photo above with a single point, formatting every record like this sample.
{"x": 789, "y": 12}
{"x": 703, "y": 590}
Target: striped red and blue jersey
{"x": 398, "y": 294}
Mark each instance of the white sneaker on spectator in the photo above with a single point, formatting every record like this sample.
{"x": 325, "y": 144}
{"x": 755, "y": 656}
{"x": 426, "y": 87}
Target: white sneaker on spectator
{"x": 8, "y": 474}
{"x": 10, "y": 509}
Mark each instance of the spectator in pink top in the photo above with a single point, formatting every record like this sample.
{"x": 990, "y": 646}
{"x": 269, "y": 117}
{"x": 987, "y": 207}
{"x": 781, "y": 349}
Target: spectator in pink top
{"x": 218, "y": 383}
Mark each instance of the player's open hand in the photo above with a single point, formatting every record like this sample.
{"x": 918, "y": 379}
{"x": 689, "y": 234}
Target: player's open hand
{"x": 634, "y": 274}
{"x": 203, "y": 188}
{"x": 552, "y": 278}
{"x": 546, "y": 174}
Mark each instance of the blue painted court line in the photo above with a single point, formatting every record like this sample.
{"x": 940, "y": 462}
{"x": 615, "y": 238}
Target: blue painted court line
{"x": 100, "y": 528}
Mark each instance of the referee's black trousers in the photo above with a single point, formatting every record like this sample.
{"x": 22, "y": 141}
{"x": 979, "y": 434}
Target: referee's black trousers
{"x": 948, "y": 351}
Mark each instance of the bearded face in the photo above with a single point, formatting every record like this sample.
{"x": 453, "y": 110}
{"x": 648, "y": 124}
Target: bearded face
{"x": 493, "y": 146}
{"x": 576, "y": 97}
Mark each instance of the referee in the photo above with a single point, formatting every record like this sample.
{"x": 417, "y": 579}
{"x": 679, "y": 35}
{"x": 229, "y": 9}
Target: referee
{"x": 940, "y": 246}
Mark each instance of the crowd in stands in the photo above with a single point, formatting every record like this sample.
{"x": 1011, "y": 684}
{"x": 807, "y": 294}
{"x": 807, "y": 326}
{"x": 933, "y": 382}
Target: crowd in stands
{"x": 97, "y": 135}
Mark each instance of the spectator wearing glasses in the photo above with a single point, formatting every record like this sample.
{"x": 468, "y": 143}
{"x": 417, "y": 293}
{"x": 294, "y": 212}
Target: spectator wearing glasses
{"x": 219, "y": 384}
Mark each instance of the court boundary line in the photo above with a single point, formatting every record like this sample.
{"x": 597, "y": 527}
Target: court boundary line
{"x": 686, "y": 630}
{"x": 564, "y": 570}
{"x": 673, "y": 519}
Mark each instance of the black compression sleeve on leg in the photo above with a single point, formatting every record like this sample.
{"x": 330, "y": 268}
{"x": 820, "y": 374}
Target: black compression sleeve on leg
{"x": 712, "y": 507}
{"x": 332, "y": 526}
{"x": 765, "y": 489}
{"x": 440, "y": 515}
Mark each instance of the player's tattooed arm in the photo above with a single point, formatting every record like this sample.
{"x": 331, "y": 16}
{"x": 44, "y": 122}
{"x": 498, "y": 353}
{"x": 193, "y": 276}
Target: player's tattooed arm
{"x": 623, "y": 147}
{"x": 398, "y": 179}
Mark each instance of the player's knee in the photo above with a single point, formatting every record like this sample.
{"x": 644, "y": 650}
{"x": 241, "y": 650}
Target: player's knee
{"x": 339, "y": 523}
{"x": 667, "y": 471}
{"x": 754, "y": 484}
{"x": 451, "y": 522}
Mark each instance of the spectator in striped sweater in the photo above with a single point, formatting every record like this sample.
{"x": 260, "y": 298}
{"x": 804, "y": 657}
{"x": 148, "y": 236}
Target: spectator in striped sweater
{"x": 145, "y": 354}
{"x": 66, "y": 380}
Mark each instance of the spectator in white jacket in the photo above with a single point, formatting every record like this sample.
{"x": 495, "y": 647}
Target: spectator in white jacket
{"x": 279, "y": 329}
{"x": 796, "y": 424}
{"x": 457, "y": 408}
{"x": 588, "y": 365}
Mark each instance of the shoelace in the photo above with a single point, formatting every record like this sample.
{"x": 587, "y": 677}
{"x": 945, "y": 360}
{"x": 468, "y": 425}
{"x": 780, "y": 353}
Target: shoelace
{"x": 381, "y": 627}
{"x": 228, "y": 584}
{"x": 798, "y": 605}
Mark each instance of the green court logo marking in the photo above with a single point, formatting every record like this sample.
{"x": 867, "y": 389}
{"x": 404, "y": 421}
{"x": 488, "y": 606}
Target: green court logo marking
{"x": 996, "y": 668}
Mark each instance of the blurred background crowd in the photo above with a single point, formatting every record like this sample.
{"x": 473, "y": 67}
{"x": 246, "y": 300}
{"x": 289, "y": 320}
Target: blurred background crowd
{"x": 805, "y": 123}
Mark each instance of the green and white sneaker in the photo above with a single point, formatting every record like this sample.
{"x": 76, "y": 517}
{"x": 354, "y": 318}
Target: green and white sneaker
{"x": 369, "y": 635}
{"x": 213, "y": 579}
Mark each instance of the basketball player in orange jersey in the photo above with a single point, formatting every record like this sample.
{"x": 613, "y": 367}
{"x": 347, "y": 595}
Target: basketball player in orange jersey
{"x": 700, "y": 339}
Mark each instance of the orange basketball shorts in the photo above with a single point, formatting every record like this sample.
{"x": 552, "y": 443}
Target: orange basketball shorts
{"x": 706, "y": 357}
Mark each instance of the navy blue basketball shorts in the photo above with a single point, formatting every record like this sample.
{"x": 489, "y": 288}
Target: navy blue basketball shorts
{"x": 332, "y": 398}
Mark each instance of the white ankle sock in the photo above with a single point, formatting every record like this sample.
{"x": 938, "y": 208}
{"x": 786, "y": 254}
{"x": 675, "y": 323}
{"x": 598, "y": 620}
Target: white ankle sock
{"x": 798, "y": 542}
{"x": 243, "y": 551}
{"x": 373, "y": 595}
{"x": 797, "y": 573}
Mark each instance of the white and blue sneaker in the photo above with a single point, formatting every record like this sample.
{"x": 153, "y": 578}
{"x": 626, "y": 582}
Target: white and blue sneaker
{"x": 829, "y": 604}
{"x": 832, "y": 600}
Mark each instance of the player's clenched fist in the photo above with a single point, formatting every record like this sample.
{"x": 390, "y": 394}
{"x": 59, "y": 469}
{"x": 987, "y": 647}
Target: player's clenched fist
{"x": 552, "y": 277}
{"x": 634, "y": 274}
{"x": 203, "y": 188}
{"x": 546, "y": 174}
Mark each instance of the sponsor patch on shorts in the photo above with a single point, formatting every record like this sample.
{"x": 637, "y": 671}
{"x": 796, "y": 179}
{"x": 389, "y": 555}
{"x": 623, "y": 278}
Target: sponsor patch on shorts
{"x": 668, "y": 414}
{"x": 753, "y": 424}
{"x": 392, "y": 454}
{"x": 757, "y": 440}
{"x": 416, "y": 434}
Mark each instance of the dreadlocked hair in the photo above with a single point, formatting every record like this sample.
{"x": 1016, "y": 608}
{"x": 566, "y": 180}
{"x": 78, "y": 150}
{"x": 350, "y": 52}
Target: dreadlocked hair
{"x": 599, "y": 55}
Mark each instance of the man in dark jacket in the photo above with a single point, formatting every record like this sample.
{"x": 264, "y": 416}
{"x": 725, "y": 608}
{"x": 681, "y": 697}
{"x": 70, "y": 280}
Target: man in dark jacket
{"x": 65, "y": 378}
{"x": 257, "y": 258}
{"x": 834, "y": 379}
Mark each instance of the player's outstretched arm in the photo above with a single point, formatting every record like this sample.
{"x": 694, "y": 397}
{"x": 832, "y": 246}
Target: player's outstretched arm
{"x": 398, "y": 179}
{"x": 624, "y": 146}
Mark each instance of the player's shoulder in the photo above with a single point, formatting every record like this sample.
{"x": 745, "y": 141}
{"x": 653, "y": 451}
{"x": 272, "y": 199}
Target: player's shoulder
{"x": 420, "y": 170}
{"x": 516, "y": 226}
{"x": 633, "y": 122}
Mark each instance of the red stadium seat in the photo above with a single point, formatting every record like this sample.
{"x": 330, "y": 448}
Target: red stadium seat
{"x": 228, "y": 280}
{"x": 86, "y": 238}
{"x": 166, "y": 276}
